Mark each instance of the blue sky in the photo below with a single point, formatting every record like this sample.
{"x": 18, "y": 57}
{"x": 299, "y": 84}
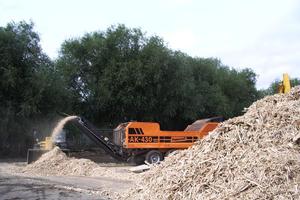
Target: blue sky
{"x": 259, "y": 34}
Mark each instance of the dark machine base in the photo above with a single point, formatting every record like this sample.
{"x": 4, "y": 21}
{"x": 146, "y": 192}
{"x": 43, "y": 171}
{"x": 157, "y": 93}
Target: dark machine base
{"x": 34, "y": 154}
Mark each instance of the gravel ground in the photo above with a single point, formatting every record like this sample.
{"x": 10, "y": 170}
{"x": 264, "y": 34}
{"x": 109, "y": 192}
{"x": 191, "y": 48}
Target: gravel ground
{"x": 14, "y": 185}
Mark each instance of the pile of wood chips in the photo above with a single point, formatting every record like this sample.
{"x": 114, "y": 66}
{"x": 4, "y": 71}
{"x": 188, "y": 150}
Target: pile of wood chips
{"x": 57, "y": 163}
{"x": 254, "y": 156}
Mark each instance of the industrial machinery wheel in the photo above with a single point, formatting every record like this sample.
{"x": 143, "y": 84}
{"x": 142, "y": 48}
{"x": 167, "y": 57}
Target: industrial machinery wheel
{"x": 154, "y": 157}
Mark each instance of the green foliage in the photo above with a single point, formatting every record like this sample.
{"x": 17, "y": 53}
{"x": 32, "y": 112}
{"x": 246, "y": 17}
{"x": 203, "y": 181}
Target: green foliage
{"x": 122, "y": 75}
{"x": 273, "y": 88}
{"x": 29, "y": 85}
{"x": 110, "y": 77}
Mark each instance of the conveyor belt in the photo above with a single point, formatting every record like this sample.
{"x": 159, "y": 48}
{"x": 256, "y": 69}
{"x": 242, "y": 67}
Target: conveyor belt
{"x": 88, "y": 129}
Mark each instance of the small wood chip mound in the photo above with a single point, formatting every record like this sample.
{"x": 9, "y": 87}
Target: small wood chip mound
{"x": 254, "y": 156}
{"x": 57, "y": 163}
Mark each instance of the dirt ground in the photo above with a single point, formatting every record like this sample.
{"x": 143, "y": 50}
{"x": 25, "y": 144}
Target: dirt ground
{"x": 15, "y": 185}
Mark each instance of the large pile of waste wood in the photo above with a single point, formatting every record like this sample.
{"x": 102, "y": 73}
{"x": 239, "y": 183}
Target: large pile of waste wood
{"x": 57, "y": 163}
{"x": 254, "y": 156}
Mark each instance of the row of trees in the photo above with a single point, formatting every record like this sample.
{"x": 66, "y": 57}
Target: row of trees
{"x": 109, "y": 77}
{"x": 122, "y": 75}
{"x": 273, "y": 88}
{"x": 29, "y": 88}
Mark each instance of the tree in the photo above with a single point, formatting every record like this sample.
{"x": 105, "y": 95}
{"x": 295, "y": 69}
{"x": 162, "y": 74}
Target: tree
{"x": 111, "y": 76}
{"x": 121, "y": 74}
{"x": 273, "y": 88}
{"x": 28, "y": 84}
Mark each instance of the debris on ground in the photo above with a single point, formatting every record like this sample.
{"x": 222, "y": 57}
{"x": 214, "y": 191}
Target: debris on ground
{"x": 254, "y": 156}
{"x": 140, "y": 168}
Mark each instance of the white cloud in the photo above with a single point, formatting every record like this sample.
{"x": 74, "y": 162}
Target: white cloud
{"x": 274, "y": 53}
{"x": 182, "y": 39}
{"x": 263, "y": 35}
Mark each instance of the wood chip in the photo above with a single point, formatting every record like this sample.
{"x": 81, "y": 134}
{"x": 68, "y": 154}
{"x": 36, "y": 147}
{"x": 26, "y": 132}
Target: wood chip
{"x": 254, "y": 156}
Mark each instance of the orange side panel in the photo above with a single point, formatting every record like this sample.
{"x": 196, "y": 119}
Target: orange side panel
{"x": 146, "y": 135}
